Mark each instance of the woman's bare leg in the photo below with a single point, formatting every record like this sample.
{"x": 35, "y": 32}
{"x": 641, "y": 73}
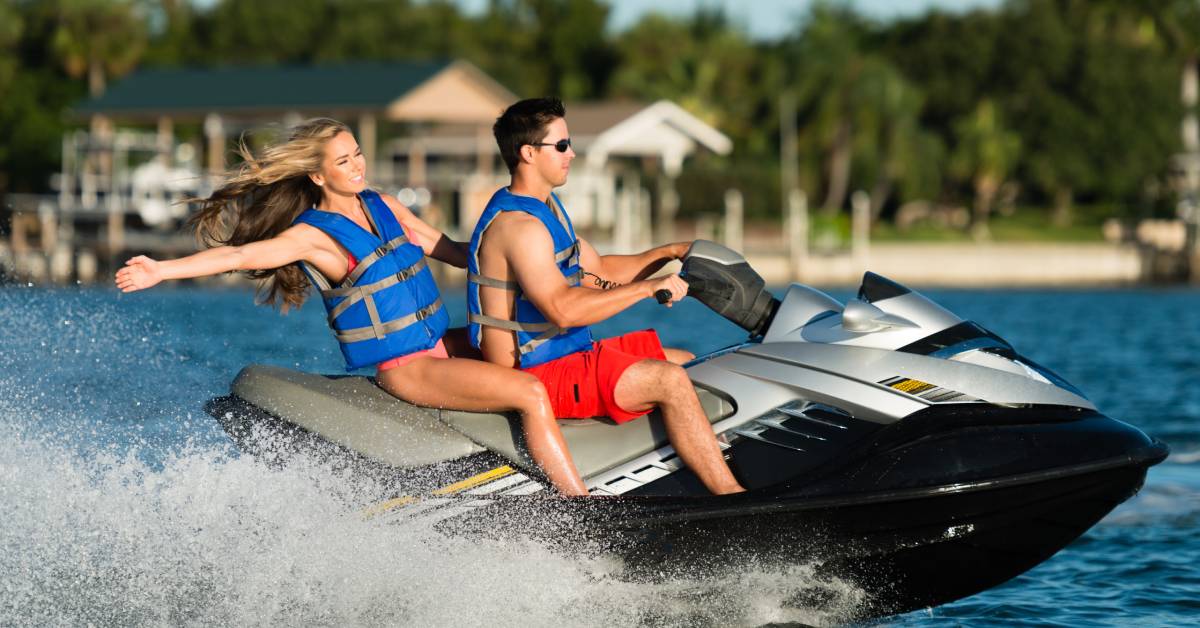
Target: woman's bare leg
{"x": 473, "y": 385}
{"x": 678, "y": 356}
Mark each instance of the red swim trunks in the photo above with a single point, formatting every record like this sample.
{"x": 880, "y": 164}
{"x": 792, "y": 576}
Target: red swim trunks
{"x": 582, "y": 384}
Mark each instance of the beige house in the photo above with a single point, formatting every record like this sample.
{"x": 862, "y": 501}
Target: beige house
{"x": 629, "y": 157}
{"x": 425, "y": 128}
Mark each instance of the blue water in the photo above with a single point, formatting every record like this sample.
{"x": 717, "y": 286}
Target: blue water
{"x": 125, "y": 504}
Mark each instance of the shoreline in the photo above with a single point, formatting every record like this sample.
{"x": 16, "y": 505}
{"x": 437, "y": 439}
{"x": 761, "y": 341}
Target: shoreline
{"x": 925, "y": 264}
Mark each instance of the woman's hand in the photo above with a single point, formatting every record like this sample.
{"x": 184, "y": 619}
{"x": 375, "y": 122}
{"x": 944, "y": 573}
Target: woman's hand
{"x": 139, "y": 273}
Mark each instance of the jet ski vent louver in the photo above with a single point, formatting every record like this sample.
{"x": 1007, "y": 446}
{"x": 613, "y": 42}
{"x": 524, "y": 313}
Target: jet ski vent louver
{"x": 799, "y": 426}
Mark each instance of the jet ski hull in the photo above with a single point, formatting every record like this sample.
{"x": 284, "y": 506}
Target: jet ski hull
{"x": 885, "y": 442}
{"x": 906, "y": 547}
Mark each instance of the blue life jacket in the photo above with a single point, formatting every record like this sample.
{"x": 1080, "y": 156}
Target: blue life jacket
{"x": 389, "y": 305}
{"x": 538, "y": 340}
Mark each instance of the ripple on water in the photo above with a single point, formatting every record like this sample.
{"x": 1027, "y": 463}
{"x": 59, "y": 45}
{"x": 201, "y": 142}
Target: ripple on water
{"x": 131, "y": 506}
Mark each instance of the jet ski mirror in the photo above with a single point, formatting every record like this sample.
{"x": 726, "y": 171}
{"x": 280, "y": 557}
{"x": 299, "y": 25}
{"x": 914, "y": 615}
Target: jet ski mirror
{"x": 862, "y": 317}
{"x": 722, "y": 279}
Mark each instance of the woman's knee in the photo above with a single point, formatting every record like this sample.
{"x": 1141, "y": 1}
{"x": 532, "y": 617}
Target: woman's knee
{"x": 678, "y": 356}
{"x": 531, "y": 394}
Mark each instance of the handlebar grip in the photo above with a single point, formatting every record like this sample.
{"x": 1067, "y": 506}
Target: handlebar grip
{"x": 663, "y": 296}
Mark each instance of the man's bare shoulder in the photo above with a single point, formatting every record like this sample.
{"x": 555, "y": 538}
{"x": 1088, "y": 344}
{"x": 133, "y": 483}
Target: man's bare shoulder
{"x": 514, "y": 227}
{"x": 518, "y": 236}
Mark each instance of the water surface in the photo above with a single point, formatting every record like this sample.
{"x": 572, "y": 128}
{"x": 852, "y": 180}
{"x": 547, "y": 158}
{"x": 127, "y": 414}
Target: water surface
{"x": 128, "y": 505}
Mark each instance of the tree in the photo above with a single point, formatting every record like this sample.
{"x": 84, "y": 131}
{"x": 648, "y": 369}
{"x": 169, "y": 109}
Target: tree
{"x": 702, "y": 63}
{"x": 98, "y": 39}
{"x": 890, "y": 146}
{"x": 549, "y": 47}
{"x": 984, "y": 154}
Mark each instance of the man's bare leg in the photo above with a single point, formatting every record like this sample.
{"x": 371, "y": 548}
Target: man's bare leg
{"x": 462, "y": 384}
{"x": 652, "y": 383}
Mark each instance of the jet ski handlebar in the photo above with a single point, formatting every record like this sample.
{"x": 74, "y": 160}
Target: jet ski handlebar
{"x": 722, "y": 279}
{"x": 695, "y": 286}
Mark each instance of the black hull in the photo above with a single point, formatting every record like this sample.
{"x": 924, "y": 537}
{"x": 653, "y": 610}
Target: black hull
{"x": 907, "y": 550}
{"x": 920, "y": 545}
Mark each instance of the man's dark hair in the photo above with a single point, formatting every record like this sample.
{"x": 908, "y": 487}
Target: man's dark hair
{"x": 524, "y": 123}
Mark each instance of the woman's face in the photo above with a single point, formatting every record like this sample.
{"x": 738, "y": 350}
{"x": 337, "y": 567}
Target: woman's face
{"x": 344, "y": 169}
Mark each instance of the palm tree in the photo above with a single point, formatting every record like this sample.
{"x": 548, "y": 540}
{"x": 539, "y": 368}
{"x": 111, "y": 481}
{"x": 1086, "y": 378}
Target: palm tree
{"x": 98, "y": 39}
{"x": 985, "y": 153}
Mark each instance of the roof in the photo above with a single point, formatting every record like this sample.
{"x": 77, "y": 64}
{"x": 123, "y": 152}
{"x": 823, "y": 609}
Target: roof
{"x": 594, "y": 118}
{"x": 662, "y": 129}
{"x": 362, "y": 86}
{"x": 599, "y": 130}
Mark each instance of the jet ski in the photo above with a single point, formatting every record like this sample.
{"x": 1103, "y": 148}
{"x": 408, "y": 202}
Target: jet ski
{"x": 884, "y": 440}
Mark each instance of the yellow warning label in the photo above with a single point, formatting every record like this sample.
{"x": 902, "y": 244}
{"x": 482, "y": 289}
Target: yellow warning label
{"x": 912, "y": 386}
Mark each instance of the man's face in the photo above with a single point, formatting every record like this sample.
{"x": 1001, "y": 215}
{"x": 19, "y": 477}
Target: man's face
{"x": 549, "y": 163}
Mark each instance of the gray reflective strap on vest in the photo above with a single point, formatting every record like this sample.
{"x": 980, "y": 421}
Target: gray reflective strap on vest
{"x": 537, "y": 342}
{"x": 492, "y": 283}
{"x": 549, "y": 330}
{"x": 317, "y": 278}
{"x": 379, "y": 330}
{"x": 491, "y": 321}
{"x": 567, "y": 253}
{"x": 366, "y": 262}
{"x": 354, "y": 294}
{"x": 513, "y": 286}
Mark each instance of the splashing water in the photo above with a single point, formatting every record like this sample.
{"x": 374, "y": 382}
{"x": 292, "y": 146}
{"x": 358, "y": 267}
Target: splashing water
{"x": 213, "y": 538}
{"x": 128, "y": 506}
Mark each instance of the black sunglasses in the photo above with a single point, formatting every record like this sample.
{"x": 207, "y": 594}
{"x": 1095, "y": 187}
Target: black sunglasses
{"x": 560, "y": 146}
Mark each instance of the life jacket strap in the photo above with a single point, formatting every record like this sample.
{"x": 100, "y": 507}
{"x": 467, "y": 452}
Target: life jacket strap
{"x": 354, "y": 294}
{"x": 493, "y": 283}
{"x": 392, "y": 279}
{"x": 573, "y": 279}
{"x": 376, "y": 255}
{"x": 379, "y": 329}
{"x": 317, "y": 278}
{"x": 545, "y": 336}
{"x": 491, "y": 321}
{"x": 548, "y": 330}
{"x": 568, "y": 253}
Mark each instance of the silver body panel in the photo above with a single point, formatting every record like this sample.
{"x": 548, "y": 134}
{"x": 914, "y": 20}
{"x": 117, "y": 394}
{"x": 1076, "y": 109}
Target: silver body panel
{"x": 816, "y": 351}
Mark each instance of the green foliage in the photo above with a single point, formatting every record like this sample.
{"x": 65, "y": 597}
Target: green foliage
{"x": 1061, "y": 100}
{"x": 1025, "y": 224}
{"x": 97, "y": 39}
{"x": 701, "y": 63}
{"x": 702, "y": 187}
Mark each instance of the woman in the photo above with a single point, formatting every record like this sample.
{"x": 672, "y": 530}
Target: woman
{"x": 303, "y": 208}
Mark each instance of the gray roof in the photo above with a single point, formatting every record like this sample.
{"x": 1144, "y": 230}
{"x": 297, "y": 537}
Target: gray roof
{"x": 356, "y": 86}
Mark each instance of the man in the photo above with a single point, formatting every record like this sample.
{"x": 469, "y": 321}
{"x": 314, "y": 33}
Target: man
{"x": 534, "y": 289}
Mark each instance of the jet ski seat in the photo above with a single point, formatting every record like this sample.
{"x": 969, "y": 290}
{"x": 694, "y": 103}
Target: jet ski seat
{"x": 596, "y": 444}
{"x": 353, "y": 411}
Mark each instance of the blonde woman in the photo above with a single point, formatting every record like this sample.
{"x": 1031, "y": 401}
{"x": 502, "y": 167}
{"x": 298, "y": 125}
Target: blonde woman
{"x": 301, "y": 214}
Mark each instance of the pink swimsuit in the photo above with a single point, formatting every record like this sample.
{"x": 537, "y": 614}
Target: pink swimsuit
{"x": 438, "y": 350}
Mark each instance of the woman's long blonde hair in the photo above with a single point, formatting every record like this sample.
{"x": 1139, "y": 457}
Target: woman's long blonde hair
{"x": 262, "y": 197}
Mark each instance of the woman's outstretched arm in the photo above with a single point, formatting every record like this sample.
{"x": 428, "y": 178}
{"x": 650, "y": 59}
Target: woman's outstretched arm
{"x": 142, "y": 272}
